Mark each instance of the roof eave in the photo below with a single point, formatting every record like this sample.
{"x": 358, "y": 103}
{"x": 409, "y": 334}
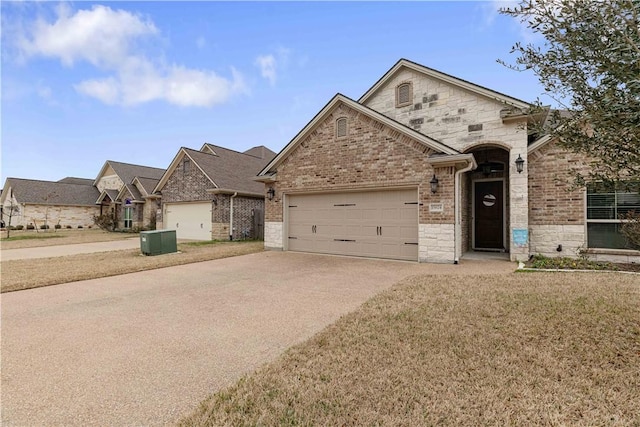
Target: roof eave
{"x": 239, "y": 193}
{"x": 453, "y": 160}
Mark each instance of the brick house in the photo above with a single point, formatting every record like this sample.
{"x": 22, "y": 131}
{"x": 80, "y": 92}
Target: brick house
{"x": 69, "y": 202}
{"x": 126, "y": 193}
{"x": 428, "y": 167}
{"x": 210, "y": 194}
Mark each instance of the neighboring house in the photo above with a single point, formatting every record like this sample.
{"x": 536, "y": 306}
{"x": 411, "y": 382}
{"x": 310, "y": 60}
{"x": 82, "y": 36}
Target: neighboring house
{"x": 70, "y": 202}
{"x": 426, "y": 167}
{"x": 211, "y": 194}
{"x": 126, "y": 193}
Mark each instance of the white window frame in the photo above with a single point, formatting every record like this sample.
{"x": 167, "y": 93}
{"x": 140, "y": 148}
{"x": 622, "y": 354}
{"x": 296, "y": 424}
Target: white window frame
{"x": 615, "y": 206}
{"x": 128, "y": 217}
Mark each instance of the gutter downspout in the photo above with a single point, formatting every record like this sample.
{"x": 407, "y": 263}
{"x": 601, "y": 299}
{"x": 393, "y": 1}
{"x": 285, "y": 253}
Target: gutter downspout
{"x": 231, "y": 217}
{"x": 457, "y": 214}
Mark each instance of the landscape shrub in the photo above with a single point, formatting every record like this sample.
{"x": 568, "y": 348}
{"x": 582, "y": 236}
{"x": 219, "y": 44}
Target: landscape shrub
{"x": 631, "y": 228}
{"x": 57, "y": 226}
{"x": 79, "y": 226}
{"x": 44, "y": 227}
{"x": 31, "y": 227}
{"x": 19, "y": 227}
{"x": 68, "y": 226}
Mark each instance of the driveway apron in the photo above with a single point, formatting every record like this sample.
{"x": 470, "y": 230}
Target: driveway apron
{"x": 146, "y": 348}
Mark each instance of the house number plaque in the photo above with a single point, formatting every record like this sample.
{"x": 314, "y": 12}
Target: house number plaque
{"x": 436, "y": 207}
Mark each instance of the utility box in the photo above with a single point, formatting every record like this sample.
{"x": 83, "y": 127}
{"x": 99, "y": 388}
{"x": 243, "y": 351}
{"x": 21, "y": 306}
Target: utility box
{"x": 158, "y": 242}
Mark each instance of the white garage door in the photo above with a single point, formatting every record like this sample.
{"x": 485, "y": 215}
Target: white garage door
{"x": 190, "y": 220}
{"x": 379, "y": 224}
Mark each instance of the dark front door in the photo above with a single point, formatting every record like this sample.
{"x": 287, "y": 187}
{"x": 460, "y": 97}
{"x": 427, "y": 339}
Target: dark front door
{"x": 489, "y": 216}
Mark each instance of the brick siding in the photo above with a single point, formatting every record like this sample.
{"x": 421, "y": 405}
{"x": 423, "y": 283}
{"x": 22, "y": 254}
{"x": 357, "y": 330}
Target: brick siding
{"x": 371, "y": 156}
{"x": 552, "y": 196}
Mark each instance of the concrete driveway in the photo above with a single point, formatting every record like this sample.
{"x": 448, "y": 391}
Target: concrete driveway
{"x": 146, "y": 348}
{"x": 63, "y": 250}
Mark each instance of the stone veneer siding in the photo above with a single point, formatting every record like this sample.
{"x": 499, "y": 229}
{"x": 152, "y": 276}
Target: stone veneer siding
{"x": 372, "y": 156}
{"x": 273, "y": 235}
{"x": 465, "y": 121}
{"x": 63, "y": 215}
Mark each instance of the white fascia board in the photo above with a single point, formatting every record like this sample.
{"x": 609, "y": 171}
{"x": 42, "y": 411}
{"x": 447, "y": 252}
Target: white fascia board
{"x": 453, "y": 160}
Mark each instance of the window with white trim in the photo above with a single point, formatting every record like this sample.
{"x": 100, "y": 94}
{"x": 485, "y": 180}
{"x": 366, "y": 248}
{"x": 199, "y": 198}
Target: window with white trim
{"x": 606, "y": 206}
{"x": 404, "y": 94}
{"x": 341, "y": 127}
{"x": 128, "y": 217}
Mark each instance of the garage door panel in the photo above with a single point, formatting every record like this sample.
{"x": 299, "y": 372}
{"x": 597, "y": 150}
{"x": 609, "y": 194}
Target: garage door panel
{"x": 190, "y": 220}
{"x": 372, "y": 224}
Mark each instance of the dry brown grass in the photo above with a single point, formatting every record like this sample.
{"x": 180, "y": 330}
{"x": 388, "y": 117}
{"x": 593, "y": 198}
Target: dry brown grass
{"x": 519, "y": 349}
{"x": 59, "y": 237}
{"x": 26, "y": 274}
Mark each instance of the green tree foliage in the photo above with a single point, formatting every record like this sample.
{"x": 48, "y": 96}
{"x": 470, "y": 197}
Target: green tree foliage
{"x": 589, "y": 61}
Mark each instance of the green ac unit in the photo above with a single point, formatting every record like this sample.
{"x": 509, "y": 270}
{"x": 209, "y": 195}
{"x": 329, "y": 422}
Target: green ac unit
{"x": 158, "y": 242}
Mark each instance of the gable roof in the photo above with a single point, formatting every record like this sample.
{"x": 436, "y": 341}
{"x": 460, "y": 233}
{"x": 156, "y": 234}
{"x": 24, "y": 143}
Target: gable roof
{"x": 455, "y": 81}
{"x": 227, "y": 170}
{"x": 31, "y": 191}
{"x": 74, "y": 180}
{"x": 147, "y": 184}
{"x": 112, "y": 194}
{"x": 131, "y": 189}
{"x": 341, "y": 99}
{"x": 261, "y": 152}
{"x": 127, "y": 171}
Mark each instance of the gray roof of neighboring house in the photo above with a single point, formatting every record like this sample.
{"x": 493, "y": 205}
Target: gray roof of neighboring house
{"x": 231, "y": 170}
{"x": 260, "y": 152}
{"x": 148, "y": 184}
{"x": 113, "y": 195}
{"x": 133, "y": 191}
{"x": 127, "y": 171}
{"x": 74, "y": 180}
{"x": 33, "y": 191}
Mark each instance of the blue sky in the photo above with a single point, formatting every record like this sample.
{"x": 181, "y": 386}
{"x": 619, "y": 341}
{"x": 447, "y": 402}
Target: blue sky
{"x": 85, "y": 82}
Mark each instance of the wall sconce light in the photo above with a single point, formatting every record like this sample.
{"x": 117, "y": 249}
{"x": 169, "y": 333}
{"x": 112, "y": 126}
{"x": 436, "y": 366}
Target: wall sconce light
{"x": 519, "y": 164}
{"x": 271, "y": 193}
{"x": 434, "y": 184}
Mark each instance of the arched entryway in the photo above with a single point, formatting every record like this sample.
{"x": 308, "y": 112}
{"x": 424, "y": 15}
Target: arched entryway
{"x": 485, "y": 191}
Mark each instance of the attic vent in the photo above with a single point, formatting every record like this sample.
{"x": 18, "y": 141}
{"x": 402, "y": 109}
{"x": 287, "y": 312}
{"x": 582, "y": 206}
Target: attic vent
{"x": 403, "y": 94}
{"x": 341, "y": 127}
{"x": 186, "y": 165}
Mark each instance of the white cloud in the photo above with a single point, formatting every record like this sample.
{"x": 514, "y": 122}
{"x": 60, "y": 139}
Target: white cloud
{"x": 101, "y": 36}
{"x": 106, "y": 38}
{"x": 267, "y": 65}
{"x": 272, "y": 64}
{"x": 491, "y": 10}
{"x": 139, "y": 81}
{"x": 106, "y": 90}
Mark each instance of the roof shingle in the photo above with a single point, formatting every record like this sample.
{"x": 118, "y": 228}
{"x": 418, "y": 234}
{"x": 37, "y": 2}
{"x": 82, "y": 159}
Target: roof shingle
{"x": 33, "y": 191}
{"x": 231, "y": 170}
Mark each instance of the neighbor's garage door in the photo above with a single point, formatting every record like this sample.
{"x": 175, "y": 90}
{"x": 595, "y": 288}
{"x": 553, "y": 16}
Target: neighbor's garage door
{"x": 190, "y": 220}
{"x": 380, "y": 224}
